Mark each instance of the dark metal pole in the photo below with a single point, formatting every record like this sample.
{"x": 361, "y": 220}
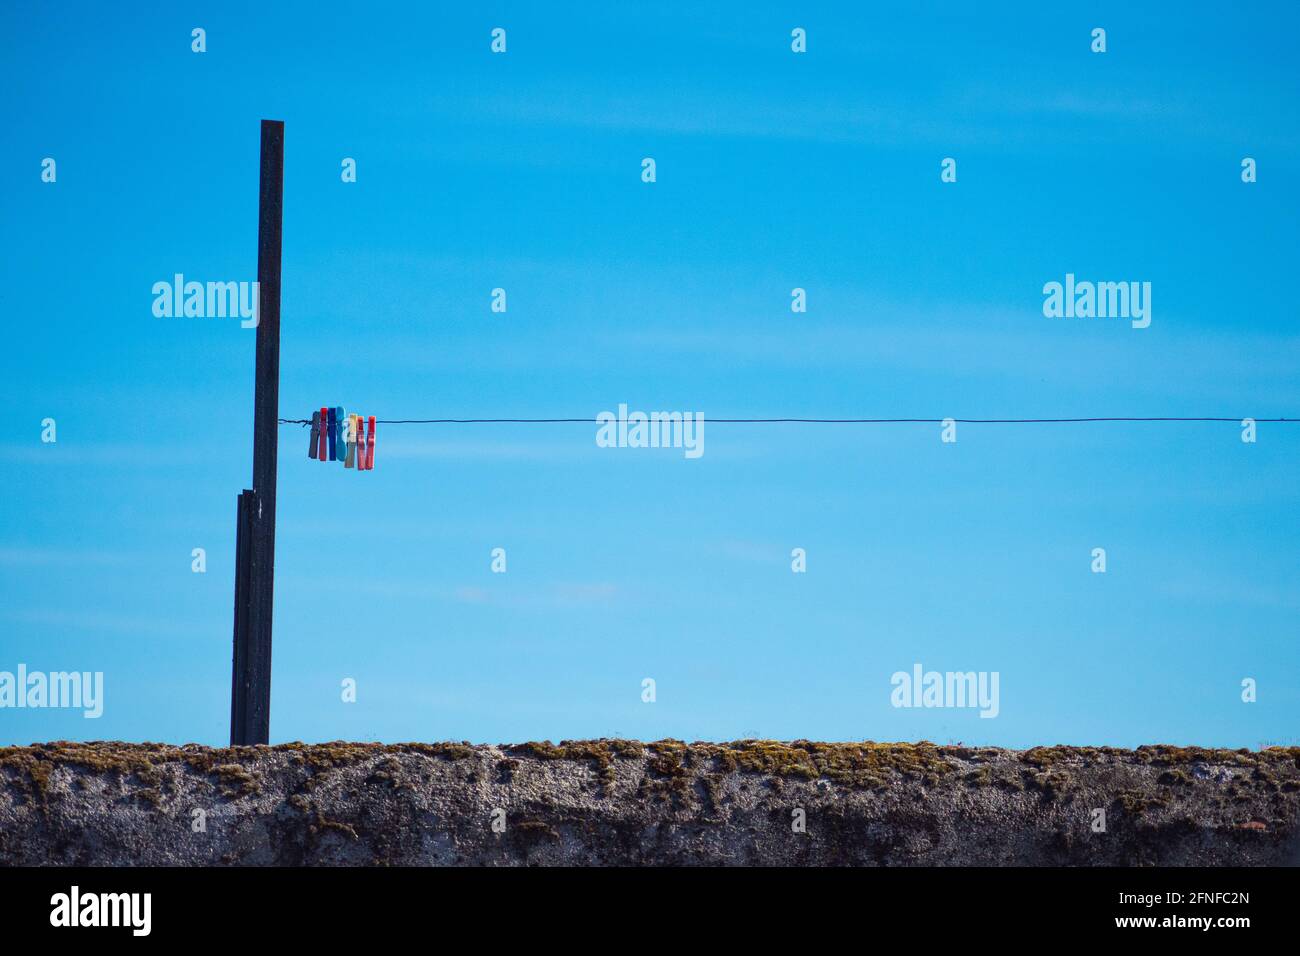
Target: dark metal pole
{"x": 252, "y": 725}
{"x": 239, "y": 685}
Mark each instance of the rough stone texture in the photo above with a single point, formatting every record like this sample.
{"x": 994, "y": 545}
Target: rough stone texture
{"x": 624, "y": 802}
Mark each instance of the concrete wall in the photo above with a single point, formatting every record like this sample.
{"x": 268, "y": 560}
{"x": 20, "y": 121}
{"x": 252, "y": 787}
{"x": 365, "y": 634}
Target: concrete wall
{"x": 623, "y": 802}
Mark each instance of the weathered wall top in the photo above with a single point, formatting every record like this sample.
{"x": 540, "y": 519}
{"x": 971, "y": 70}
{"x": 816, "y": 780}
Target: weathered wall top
{"x": 622, "y": 802}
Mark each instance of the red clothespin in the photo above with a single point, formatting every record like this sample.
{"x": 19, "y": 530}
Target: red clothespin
{"x": 322, "y": 450}
{"x": 370, "y": 445}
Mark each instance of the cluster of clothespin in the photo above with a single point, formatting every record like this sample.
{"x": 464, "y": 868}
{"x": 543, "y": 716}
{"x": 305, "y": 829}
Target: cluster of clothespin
{"x": 338, "y": 436}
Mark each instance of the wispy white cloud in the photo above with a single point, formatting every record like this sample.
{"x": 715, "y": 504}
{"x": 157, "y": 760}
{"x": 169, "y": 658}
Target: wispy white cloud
{"x": 1201, "y": 589}
{"x": 67, "y": 453}
{"x": 26, "y": 556}
{"x": 535, "y": 596}
{"x": 955, "y": 115}
{"x": 754, "y": 551}
{"x": 483, "y": 450}
{"x": 95, "y": 620}
{"x": 585, "y": 593}
{"x": 730, "y": 113}
{"x": 468, "y": 594}
{"x": 1233, "y": 368}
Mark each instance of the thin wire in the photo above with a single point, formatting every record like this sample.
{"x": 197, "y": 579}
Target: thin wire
{"x": 800, "y": 421}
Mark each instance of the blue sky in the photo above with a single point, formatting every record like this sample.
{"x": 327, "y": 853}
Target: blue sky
{"x": 774, "y": 171}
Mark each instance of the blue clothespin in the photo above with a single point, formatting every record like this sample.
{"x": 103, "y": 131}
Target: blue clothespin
{"x": 340, "y": 434}
{"x": 315, "y": 434}
{"x": 333, "y": 429}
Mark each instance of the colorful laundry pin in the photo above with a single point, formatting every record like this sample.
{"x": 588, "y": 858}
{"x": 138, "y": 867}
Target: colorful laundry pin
{"x": 315, "y": 435}
{"x": 338, "y": 435}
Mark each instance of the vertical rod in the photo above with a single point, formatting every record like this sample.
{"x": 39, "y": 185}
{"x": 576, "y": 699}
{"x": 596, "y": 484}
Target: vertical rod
{"x": 266, "y": 413}
{"x": 239, "y": 663}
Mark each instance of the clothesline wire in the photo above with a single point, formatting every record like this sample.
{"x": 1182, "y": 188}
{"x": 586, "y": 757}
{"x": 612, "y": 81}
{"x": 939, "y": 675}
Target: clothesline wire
{"x": 808, "y": 421}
